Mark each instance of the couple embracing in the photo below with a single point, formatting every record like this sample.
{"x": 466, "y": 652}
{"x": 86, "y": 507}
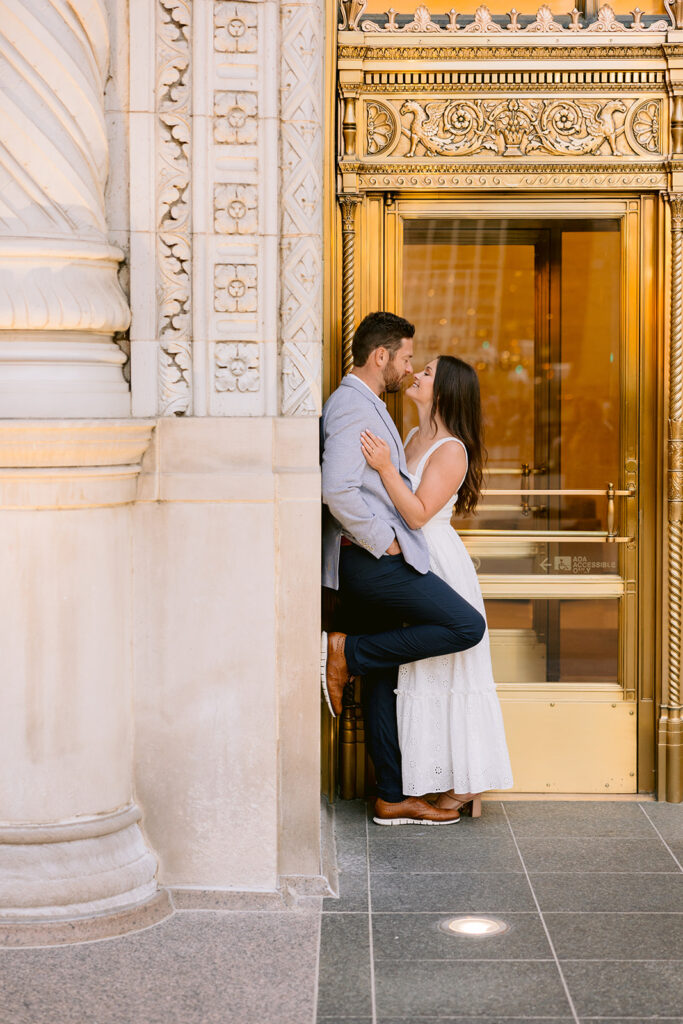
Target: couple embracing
{"x": 411, "y": 606}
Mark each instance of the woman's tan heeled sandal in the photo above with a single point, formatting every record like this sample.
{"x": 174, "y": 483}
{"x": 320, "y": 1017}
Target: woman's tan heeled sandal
{"x": 468, "y": 803}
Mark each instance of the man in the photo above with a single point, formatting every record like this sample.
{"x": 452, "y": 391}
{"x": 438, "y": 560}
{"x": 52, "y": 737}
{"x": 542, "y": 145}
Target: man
{"x": 380, "y": 565}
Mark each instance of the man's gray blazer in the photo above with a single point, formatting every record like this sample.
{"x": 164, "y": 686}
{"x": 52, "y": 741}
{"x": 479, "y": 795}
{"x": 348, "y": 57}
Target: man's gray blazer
{"x": 354, "y": 498}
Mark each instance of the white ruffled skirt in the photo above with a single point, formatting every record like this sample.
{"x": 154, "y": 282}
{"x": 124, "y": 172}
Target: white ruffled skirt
{"x": 450, "y": 725}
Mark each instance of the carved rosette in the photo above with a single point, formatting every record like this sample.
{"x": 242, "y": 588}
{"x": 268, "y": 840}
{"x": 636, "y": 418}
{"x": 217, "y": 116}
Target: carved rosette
{"x": 301, "y": 161}
{"x": 174, "y": 246}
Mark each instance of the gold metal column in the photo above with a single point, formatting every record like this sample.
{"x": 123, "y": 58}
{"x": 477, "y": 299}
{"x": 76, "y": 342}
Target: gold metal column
{"x": 670, "y": 723}
{"x": 348, "y": 206}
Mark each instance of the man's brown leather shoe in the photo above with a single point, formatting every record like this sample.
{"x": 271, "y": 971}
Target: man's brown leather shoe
{"x": 334, "y": 672}
{"x": 412, "y": 811}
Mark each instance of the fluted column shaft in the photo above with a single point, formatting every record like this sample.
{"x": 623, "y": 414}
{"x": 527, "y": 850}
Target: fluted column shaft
{"x": 60, "y": 300}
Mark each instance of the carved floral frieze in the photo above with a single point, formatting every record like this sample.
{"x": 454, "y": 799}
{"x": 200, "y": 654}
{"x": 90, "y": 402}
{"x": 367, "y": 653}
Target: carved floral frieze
{"x": 174, "y": 247}
{"x": 564, "y": 127}
{"x": 237, "y": 366}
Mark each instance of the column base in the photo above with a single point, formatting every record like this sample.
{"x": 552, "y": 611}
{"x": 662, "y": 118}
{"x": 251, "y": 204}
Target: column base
{"x": 26, "y": 934}
{"x": 670, "y": 742}
{"x": 75, "y": 871}
{"x": 50, "y": 374}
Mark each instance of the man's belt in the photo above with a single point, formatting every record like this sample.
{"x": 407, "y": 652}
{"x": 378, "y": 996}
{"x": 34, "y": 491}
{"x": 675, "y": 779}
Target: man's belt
{"x": 345, "y": 542}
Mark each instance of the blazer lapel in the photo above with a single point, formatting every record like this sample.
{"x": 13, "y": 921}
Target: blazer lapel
{"x": 351, "y": 381}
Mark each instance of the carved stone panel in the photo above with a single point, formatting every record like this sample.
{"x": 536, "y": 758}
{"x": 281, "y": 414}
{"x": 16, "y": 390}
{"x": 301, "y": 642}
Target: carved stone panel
{"x": 547, "y": 128}
{"x": 174, "y": 249}
{"x": 301, "y": 162}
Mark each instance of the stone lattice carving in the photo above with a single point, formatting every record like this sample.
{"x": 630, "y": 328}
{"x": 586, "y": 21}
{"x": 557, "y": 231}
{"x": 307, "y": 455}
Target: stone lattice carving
{"x": 520, "y": 127}
{"x": 483, "y": 23}
{"x": 237, "y": 366}
{"x": 174, "y": 249}
{"x": 235, "y": 288}
{"x": 236, "y": 209}
{"x": 236, "y": 117}
{"x": 301, "y": 211}
{"x": 236, "y": 28}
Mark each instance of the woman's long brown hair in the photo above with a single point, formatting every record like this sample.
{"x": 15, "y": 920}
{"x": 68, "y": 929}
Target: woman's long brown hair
{"x": 457, "y": 401}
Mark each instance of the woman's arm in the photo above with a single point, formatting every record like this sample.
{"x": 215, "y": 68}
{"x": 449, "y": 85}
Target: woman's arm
{"x": 442, "y": 477}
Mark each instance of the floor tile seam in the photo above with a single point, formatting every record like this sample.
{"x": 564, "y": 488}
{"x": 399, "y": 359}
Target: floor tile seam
{"x": 316, "y": 980}
{"x": 619, "y": 960}
{"x": 549, "y": 940}
{"x": 464, "y": 960}
{"x": 373, "y": 995}
{"x": 532, "y": 871}
{"x": 534, "y": 913}
{"x": 662, "y": 839}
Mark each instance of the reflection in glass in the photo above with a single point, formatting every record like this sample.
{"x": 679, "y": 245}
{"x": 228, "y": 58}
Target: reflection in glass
{"x": 535, "y": 306}
{"x": 554, "y": 641}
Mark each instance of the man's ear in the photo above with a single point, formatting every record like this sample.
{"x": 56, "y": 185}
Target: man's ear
{"x": 381, "y": 355}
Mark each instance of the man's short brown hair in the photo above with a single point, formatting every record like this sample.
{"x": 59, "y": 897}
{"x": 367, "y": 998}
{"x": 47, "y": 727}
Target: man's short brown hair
{"x": 379, "y": 330}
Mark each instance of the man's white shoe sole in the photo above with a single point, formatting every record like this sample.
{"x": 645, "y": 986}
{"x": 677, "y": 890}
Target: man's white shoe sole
{"x": 323, "y": 671}
{"x": 412, "y": 821}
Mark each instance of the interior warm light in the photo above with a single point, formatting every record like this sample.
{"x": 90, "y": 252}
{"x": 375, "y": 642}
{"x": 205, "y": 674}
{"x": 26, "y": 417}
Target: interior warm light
{"x": 474, "y": 926}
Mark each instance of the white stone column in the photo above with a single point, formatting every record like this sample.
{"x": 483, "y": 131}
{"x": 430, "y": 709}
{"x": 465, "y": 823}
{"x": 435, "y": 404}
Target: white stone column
{"x": 60, "y": 300}
{"x": 71, "y": 849}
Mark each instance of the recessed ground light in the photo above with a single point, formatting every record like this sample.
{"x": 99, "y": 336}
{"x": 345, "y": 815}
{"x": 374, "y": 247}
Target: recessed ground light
{"x": 474, "y": 927}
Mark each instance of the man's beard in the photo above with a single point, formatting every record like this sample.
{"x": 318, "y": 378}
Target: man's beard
{"x": 393, "y": 379}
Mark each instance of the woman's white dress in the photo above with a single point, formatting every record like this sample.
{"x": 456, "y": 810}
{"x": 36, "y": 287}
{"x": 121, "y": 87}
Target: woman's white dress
{"x": 450, "y": 725}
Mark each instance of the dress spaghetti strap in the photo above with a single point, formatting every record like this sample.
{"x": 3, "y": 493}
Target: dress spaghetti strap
{"x": 430, "y": 451}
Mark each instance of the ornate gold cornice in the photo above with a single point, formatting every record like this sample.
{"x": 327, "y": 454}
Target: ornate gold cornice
{"x": 474, "y": 51}
{"x": 562, "y": 167}
{"x": 544, "y": 23}
{"x": 502, "y": 86}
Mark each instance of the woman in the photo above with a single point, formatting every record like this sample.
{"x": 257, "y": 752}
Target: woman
{"x": 450, "y": 724}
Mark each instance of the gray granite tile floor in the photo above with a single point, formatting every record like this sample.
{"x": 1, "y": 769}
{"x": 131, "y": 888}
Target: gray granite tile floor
{"x": 197, "y": 967}
{"x": 591, "y": 893}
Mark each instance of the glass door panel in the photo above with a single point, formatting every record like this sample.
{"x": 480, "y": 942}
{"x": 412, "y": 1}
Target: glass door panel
{"x": 535, "y": 306}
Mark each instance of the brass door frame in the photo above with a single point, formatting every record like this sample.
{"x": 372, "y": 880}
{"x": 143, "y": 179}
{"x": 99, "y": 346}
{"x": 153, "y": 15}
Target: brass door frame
{"x": 371, "y": 71}
{"x": 377, "y": 276}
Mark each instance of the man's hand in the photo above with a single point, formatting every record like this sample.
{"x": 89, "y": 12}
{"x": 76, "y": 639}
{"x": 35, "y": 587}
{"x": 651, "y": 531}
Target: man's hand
{"x": 394, "y": 548}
